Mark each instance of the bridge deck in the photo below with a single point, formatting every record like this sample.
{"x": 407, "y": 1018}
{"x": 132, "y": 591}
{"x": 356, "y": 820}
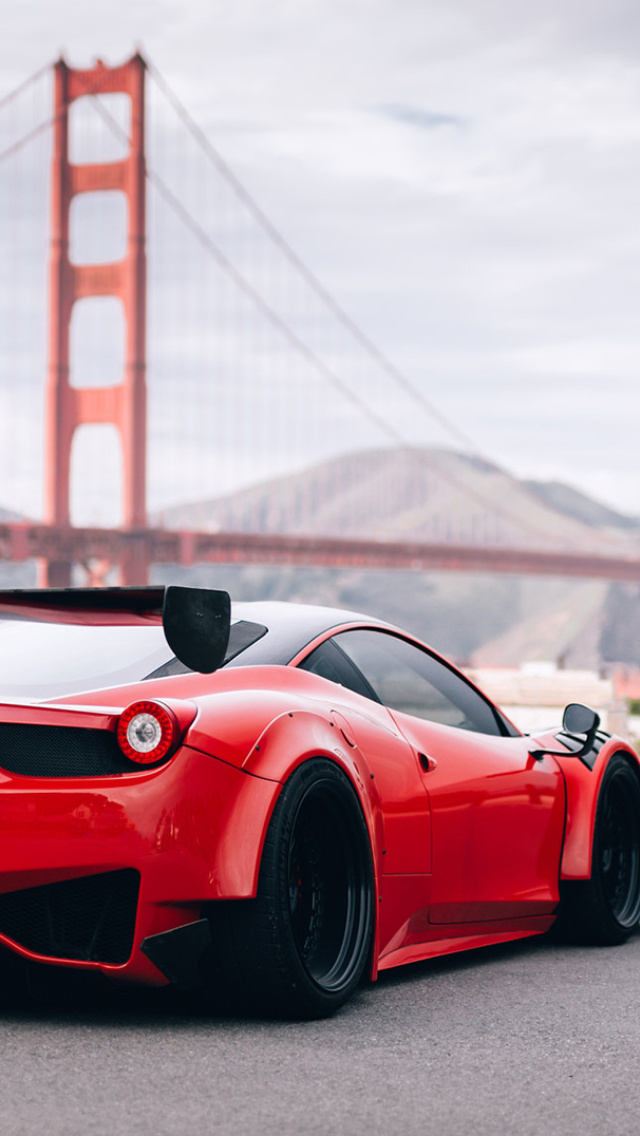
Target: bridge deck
{"x": 164, "y": 546}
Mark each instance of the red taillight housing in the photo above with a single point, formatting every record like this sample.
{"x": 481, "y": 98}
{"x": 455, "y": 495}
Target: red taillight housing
{"x": 147, "y": 732}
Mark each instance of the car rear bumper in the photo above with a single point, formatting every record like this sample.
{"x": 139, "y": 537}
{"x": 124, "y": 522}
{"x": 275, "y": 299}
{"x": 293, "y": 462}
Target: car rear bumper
{"x": 91, "y": 867}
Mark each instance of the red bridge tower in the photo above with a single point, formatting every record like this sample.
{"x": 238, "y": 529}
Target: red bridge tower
{"x": 124, "y": 404}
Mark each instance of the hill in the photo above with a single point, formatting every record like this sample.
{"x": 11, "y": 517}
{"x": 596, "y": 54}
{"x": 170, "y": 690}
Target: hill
{"x": 416, "y": 494}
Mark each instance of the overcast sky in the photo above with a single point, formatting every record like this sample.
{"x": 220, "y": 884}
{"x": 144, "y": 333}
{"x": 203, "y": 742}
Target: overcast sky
{"x": 463, "y": 175}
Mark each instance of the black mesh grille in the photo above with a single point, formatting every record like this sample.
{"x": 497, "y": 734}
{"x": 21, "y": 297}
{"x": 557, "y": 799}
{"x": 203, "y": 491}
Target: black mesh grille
{"x": 90, "y": 919}
{"x": 59, "y": 751}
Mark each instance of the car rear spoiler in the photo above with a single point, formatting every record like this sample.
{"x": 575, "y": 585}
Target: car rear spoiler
{"x": 196, "y": 621}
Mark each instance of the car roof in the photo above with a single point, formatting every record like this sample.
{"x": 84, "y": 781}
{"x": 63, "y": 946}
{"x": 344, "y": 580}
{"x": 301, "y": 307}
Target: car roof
{"x": 290, "y": 627}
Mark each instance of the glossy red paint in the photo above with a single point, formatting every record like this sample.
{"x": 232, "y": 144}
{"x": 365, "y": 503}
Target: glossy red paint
{"x": 583, "y": 787}
{"x": 189, "y": 827}
{"x": 498, "y": 819}
{"x": 469, "y": 833}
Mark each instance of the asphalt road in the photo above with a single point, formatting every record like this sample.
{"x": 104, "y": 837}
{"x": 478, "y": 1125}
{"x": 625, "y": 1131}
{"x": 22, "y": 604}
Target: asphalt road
{"x": 532, "y": 1038}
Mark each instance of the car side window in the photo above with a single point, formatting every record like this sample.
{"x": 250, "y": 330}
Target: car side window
{"x": 406, "y": 678}
{"x": 330, "y": 662}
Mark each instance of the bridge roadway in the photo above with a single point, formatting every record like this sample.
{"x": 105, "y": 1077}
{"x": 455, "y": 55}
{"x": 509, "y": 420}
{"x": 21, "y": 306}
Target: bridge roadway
{"x": 20, "y": 542}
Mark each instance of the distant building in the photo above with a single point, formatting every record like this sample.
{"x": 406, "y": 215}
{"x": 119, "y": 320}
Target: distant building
{"x": 534, "y": 695}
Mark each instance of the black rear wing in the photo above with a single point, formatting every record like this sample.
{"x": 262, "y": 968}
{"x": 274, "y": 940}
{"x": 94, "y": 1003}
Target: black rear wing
{"x": 196, "y": 621}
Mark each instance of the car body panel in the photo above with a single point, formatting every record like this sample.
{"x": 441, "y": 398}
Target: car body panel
{"x": 188, "y": 827}
{"x": 583, "y": 786}
{"x": 498, "y": 818}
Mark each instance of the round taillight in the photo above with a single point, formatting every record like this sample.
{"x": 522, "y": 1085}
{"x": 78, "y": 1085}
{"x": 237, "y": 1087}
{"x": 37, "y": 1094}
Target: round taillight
{"x": 147, "y": 732}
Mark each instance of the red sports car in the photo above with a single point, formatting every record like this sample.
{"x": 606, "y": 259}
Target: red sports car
{"x": 277, "y": 801}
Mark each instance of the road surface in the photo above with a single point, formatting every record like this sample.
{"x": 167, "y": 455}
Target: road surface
{"x": 533, "y": 1039}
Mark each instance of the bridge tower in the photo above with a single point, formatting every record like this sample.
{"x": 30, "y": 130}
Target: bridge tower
{"x": 123, "y": 404}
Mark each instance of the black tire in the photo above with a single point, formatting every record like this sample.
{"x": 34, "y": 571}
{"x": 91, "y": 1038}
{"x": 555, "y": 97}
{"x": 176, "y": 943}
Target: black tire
{"x": 301, "y": 947}
{"x": 605, "y": 909}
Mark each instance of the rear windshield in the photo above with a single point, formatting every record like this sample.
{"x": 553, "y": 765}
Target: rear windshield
{"x": 41, "y": 660}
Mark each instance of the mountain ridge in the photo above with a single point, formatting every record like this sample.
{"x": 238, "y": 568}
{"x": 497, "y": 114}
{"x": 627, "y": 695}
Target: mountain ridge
{"x": 412, "y": 493}
{"x": 438, "y": 495}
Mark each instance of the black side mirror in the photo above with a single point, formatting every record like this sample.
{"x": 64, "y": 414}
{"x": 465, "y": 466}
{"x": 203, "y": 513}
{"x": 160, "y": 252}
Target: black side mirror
{"x": 577, "y": 719}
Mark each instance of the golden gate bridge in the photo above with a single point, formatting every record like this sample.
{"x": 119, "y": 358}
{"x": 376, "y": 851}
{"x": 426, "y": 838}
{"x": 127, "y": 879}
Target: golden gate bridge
{"x": 251, "y": 359}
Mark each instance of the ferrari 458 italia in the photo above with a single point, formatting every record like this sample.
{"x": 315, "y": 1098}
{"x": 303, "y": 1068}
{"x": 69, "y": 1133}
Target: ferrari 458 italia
{"x": 273, "y": 802}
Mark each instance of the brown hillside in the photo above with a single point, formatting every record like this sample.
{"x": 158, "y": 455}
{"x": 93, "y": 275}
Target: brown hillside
{"x": 408, "y": 494}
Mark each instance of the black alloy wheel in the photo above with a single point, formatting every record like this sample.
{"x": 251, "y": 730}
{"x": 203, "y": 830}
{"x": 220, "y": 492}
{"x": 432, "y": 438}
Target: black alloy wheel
{"x": 301, "y": 947}
{"x": 605, "y": 909}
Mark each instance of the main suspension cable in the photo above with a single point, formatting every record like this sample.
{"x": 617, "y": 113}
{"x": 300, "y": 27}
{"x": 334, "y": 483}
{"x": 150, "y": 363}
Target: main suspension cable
{"x": 11, "y": 95}
{"x": 311, "y": 279}
{"x": 293, "y": 339}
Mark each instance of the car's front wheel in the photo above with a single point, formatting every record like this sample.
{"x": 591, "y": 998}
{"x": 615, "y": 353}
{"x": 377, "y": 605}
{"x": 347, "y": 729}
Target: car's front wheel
{"x": 301, "y": 947}
{"x": 605, "y": 909}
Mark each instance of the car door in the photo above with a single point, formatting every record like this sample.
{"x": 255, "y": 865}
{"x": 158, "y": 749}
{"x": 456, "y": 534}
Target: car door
{"x": 370, "y": 727}
{"x": 497, "y": 814}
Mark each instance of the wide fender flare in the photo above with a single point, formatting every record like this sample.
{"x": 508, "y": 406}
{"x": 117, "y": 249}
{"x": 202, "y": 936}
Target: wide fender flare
{"x": 583, "y": 789}
{"x": 301, "y": 735}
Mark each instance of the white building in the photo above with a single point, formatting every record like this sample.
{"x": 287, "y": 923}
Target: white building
{"x": 534, "y": 695}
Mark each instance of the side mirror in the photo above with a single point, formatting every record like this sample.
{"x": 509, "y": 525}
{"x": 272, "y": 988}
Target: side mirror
{"x": 579, "y": 719}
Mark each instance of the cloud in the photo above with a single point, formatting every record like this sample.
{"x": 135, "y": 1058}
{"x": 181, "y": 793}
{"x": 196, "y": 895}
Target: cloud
{"x": 422, "y": 119}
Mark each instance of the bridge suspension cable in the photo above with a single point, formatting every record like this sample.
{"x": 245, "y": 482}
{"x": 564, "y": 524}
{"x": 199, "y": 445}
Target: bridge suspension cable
{"x": 244, "y": 285}
{"x": 22, "y": 87}
{"x": 279, "y": 241}
{"x": 330, "y": 303}
{"x": 311, "y": 279}
{"x": 284, "y": 329}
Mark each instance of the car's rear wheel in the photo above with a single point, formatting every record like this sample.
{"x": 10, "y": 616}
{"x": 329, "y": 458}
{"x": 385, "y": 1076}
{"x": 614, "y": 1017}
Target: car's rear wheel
{"x": 605, "y": 909}
{"x": 300, "y": 948}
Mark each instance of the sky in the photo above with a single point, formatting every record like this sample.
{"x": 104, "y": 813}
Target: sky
{"x": 462, "y": 175}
